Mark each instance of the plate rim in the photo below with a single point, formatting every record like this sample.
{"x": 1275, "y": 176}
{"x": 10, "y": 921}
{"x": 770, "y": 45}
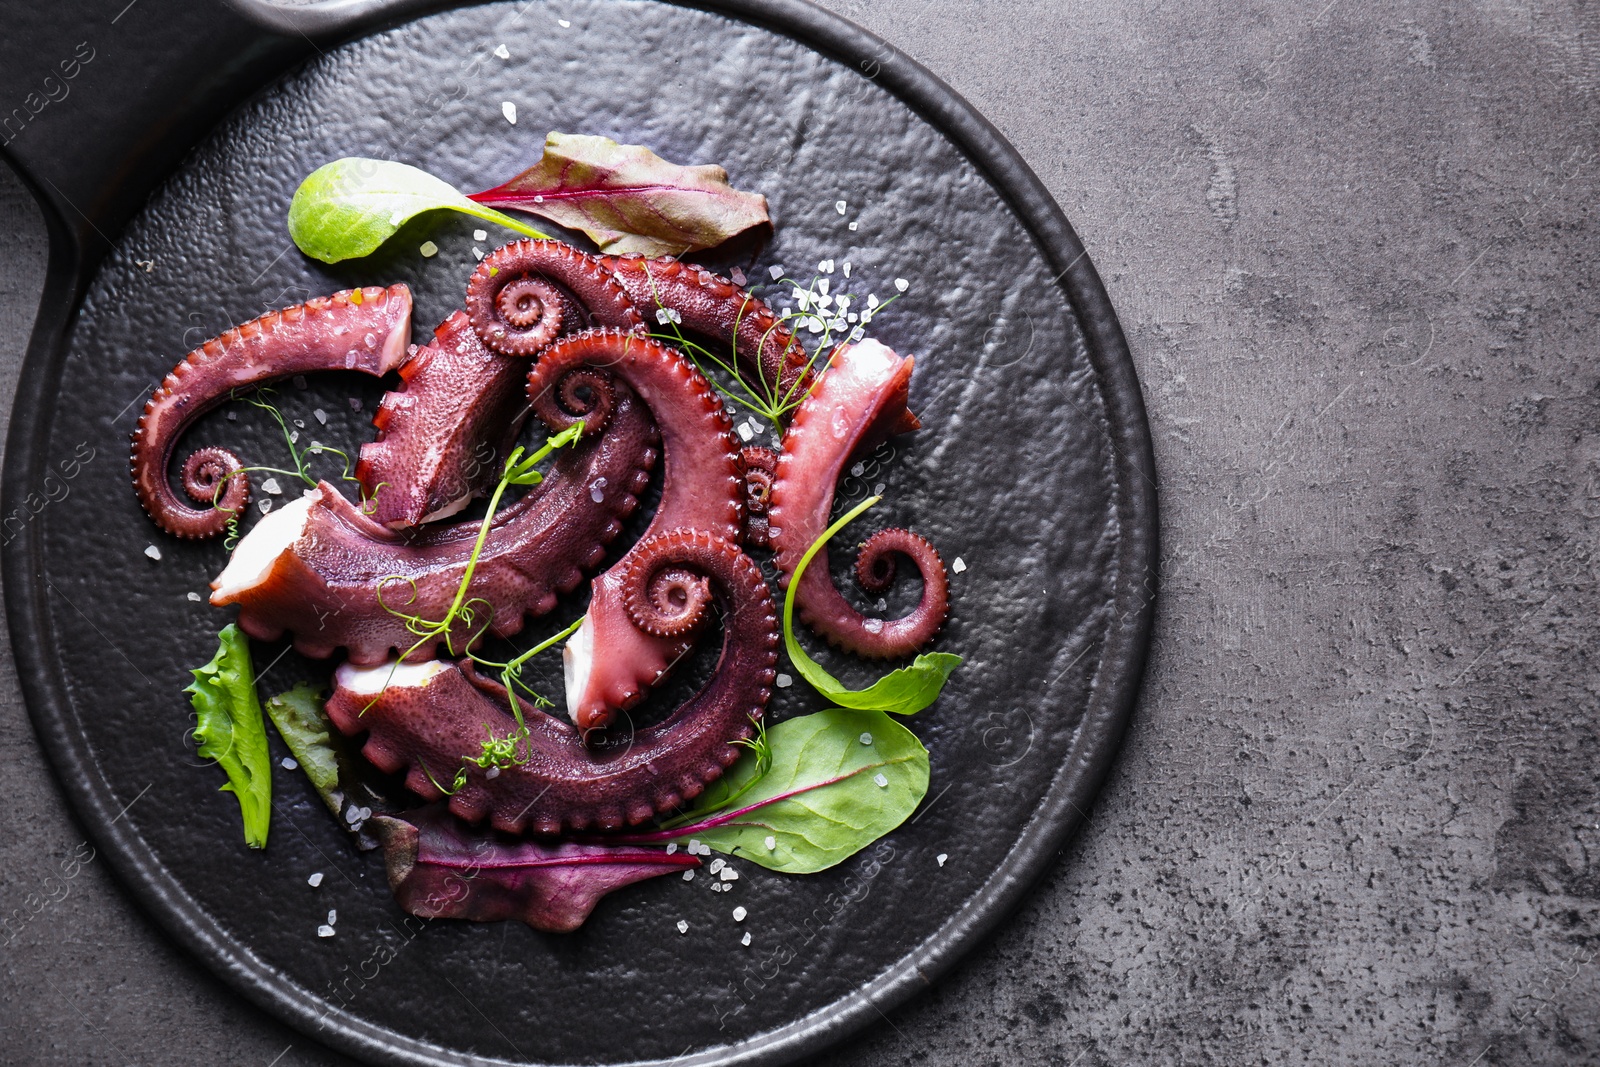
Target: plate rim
{"x": 1061, "y": 812}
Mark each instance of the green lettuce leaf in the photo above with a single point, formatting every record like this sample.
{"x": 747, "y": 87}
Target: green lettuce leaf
{"x": 305, "y": 728}
{"x": 821, "y": 800}
{"x": 901, "y": 692}
{"x": 347, "y": 208}
{"x": 231, "y": 731}
{"x": 629, "y": 200}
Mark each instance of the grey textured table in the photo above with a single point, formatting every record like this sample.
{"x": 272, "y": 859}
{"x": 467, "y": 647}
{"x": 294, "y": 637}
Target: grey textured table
{"x": 1357, "y": 819}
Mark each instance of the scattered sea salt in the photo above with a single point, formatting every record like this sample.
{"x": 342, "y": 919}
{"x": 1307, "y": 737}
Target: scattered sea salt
{"x": 846, "y": 266}
{"x": 883, "y": 783}
{"x": 539, "y": 198}
{"x": 825, "y": 267}
{"x": 503, "y": 52}
{"x": 324, "y": 931}
{"x": 776, "y": 272}
{"x": 771, "y": 843}
{"x": 878, "y": 489}
{"x": 233, "y": 416}
{"x": 153, "y": 552}
{"x": 739, "y": 914}
{"x": 480, "y": 235}
{"x": 288, "y": 764}
{"x": 866, "y": 739}
{"x": 195, "y": 597}
{"x": 428, "y": 248}
{"x": 271, "y": 486}
{"x": 784, "y": 681}
{"x": 352, "y": 814}
{"x": 839, "y": 206}
{"x": 718, "y": 864}
{"x": 492, "y": 772}
{"x": 315, "y": 880}
{"x": 265, "y": 506}
{"x": 688, "y": 876}
{"x": 509, "y": 110}
{"x": 815, "y": 325}
{"x": 729, "y": 875}
{"x": 563, "y": 23}
{"x": 873, "y": 626}
{"x": 737, "y": 276}
{"x": 744, "y": 431}
{"x": 672, "y": 848}
{"x": 683, "y": 926}
{"x": 666, "y": 315}
{"x": 477, "y": 253}
{"x": 941, "y": 858}
{"x": 824, "y": 284}
{"x": 857, "y": 334}
{"x": 321, "y": 416}
{"x": 745, "y": 940}
{"x": 901, "y": 284}
{"x": 333, "y": 916}
{"x": 852, "y": 226}
{"x": 959, "y": 565}
{"x": 694, "y": 847}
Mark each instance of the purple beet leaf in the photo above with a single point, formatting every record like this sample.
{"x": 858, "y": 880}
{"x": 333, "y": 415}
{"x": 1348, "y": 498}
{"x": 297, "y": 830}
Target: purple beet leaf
{"x": 629, "y": 200}
{"x": 440, "y": 868}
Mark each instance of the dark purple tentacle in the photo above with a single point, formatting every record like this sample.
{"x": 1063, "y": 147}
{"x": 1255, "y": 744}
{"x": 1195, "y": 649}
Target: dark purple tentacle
{"x": 364, "y": 330}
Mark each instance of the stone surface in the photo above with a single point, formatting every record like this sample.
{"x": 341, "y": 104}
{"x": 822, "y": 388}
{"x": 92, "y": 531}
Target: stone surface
{"x": 1356, "y": 819}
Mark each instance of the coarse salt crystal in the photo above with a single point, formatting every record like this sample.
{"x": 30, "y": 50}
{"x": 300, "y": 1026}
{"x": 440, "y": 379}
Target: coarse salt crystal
{"x": 266, "y": 506}
{"x": 509, "y": 110}
{"x": 477, "y": 253}
{"x": 852, "y": 226}
{"x": 271, "y": 486}
{"x": 428, "y": 249}
{"x": 839, "y": 206}
{"x": 846, "y": 268}
{"x": 873, "y": 626}
{"x": 672, "y": 848}
{"x": 744, "y": 431}
{"x": 324, "y": 931}
{"x": 737, "y": 276}
{"x": 538, "y": 198}
{"x": 745, "y": 940}
{"x": 826, "y": 267}
{"x": 959, "y": 565}
{"x": 883, "y": 783}
{"x": 784, "y": 681}
{"x": 776, "y": 272}
{"x": 321, "y": 416}
{"x": 941, "y": 858}
{"x": 492, "y": 772}
{"x": 503, "y": 52}
{"x": 771, "y": 843}
{"x": 815, "y": 325}
{"x": 857, "y": 334}
{"x": 688, "y": 876}
{"x": 729, "y": 875}
{"x": 196, "y": 597}
{"x": 866, "y": 739}
{"x": 153, "y": 552}
{"x": 718, "y": 864}
{"x": 333, "y": 916}
{"x": 824, "y": 284}
{"x": 694, "y": 846}
{"x": 315, "y": 880}
{"x": 563, "y": 23}
{"x": 738, "y": 914}
{"x": 878, "y": 489}
{"x": 683, "y": 926}
{"x": 901, "y": 284}
{"x": 288, "y": 764}
{"x": 480, "y": 235}
{"x": 353, "y": 815}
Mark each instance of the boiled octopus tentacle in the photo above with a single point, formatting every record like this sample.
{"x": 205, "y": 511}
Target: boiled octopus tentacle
{"x": 771, "y": 359}
{"x": 442, "y": 434}
{"x": 859, "y": 402}
{"x": 610, "y": 662}
{"x": 527, "y": 293}
{"x": 760, "y": 470}
{"x": 424, "y": 718}
{"x": 364, "y": 330}
{"x": 324, "y": 571}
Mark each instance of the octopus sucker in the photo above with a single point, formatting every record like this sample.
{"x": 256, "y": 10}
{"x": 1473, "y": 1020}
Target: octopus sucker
{"x": 333, "y": 577}
{"x": 760, "y": 470}
{"x": 431, "y": 717}
{"x": 857, "y": 403}
{"x": 770, "y": 357}
{"x": 523, "y": 295}
{"x": 366, "y": 330}
{"x": 702, "y": 489}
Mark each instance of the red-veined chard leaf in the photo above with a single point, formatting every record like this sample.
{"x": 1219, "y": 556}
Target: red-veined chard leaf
{"x": 839, "y": 779}
{"x": 230, "y": 730}
{"x": 629, "y": 200}
{"x": 441, "y": 869}
{"x": 900, "y": 692}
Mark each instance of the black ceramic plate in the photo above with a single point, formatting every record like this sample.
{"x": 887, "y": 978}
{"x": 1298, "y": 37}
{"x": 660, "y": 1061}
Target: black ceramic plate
{"x": 1034, "y": 470}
